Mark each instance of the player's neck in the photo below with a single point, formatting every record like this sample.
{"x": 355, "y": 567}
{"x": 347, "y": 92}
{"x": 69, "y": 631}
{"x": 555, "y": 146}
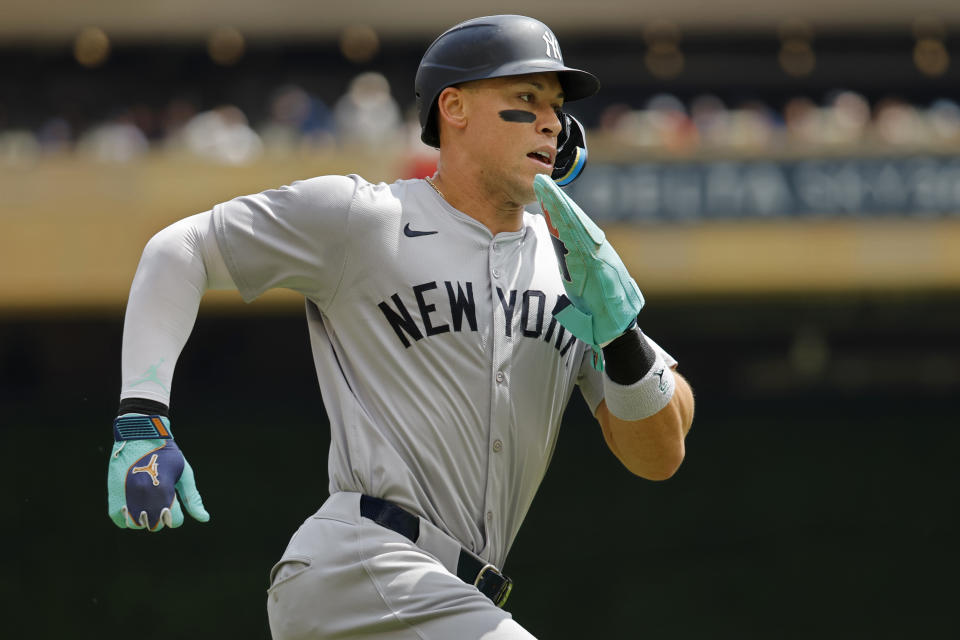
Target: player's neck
{"x": 491, "y": 207}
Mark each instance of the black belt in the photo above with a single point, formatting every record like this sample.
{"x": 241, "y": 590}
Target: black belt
{"x": 470, "y": 568}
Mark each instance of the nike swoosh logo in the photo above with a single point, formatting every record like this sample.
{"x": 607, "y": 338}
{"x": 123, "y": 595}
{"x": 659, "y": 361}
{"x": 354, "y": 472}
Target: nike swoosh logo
{"x": 410, "y": 233}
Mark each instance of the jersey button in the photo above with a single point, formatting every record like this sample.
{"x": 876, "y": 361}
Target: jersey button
{"x": 497, "y": 446}
{"x": 489, "y": 516}
{"x": 496, "y": 273}
{"x": 499, "y": 376}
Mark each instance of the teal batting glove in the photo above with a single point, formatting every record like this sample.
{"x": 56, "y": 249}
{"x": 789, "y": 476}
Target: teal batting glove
{"x": 145, "y": 474}
{"x": 602, "y": 299}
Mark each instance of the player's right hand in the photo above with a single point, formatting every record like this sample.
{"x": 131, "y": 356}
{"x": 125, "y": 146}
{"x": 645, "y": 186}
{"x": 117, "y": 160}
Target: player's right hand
{"x": 604, "y": 299}
{"x": 146, "y": 472}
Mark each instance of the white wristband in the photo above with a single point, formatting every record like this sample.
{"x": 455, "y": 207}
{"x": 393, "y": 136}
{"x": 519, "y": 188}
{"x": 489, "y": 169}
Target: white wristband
{"x": 643, "y": 398}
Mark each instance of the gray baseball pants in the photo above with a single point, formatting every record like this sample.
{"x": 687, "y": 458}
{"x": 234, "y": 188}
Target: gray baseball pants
{"x": 344, "y": 576}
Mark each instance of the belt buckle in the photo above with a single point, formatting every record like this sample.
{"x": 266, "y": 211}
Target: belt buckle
{"x": 503, "y": 592}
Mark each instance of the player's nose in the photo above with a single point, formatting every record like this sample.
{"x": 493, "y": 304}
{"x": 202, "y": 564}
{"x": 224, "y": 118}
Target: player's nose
{"x": 549, "y": 122}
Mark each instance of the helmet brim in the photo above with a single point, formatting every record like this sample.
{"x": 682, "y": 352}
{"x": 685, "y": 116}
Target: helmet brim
{"x": 577, "y": 84}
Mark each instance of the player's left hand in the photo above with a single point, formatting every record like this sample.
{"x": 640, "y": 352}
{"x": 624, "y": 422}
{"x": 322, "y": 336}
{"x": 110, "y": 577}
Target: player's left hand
{"x": 146, "y": 473}
{"x": 603, "y": 299}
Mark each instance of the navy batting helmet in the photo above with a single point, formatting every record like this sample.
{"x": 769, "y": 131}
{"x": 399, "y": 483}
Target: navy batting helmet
{"x": 491, "y": 47}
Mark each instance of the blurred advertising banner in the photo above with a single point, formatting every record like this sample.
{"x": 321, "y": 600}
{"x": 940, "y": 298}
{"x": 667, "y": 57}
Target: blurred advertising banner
{"x": 752, "y": 225}
{"x": 921, "y": 186}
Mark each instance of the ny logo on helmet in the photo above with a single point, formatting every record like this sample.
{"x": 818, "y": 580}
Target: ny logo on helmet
{"x": 553, "y": 47}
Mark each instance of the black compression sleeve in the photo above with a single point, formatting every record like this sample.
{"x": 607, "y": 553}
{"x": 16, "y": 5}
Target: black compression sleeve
{"x": 629, "y": 357}
{"x": 141, "y": 405}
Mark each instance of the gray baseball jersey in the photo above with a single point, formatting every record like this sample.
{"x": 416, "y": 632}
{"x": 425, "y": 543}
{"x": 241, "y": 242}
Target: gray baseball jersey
{"x": 442, "y": 370}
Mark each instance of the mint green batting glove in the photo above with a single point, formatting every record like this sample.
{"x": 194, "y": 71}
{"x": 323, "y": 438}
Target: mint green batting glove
{"x": 602, "y": 299}
{"x": 146, "y": 472}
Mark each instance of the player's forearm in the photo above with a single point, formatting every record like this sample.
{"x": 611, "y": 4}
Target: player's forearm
{"x": 652, "y": 447}
{"x": 648, "y": 407}
{"x": 171, "y": 279}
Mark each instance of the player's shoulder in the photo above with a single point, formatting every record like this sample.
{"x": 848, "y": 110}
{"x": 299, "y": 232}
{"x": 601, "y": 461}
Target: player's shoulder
{"x": 400, "y": 189}
{"x": 386, "y": 200}
{"x": 329, "y": 187}
{"x": 346, "y": 190}
{"x": 360, "y": 187}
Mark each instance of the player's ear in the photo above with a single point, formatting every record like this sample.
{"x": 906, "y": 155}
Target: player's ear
{"x": 452, "y": 108}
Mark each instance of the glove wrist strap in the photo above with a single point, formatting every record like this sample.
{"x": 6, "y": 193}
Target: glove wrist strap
{"x": 136, "y": 426}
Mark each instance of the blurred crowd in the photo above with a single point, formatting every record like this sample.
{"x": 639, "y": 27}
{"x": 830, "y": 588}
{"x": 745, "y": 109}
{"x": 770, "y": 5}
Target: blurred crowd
{"x": 368, "y": 116}
{"x": 845, "y": 119}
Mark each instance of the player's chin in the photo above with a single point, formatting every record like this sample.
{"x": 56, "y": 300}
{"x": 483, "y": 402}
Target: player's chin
{"x": 529, "y": 193}
{"x": 525, "y": 194}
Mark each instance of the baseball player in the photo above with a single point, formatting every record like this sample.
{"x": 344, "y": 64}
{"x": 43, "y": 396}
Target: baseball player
{"x": 449, "y": 327}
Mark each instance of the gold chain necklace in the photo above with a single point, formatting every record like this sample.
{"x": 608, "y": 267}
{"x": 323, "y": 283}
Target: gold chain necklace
{"x": 430, "y": 182}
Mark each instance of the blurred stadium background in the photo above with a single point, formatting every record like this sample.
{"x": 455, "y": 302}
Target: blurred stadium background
{"x": 782, "y": 180}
